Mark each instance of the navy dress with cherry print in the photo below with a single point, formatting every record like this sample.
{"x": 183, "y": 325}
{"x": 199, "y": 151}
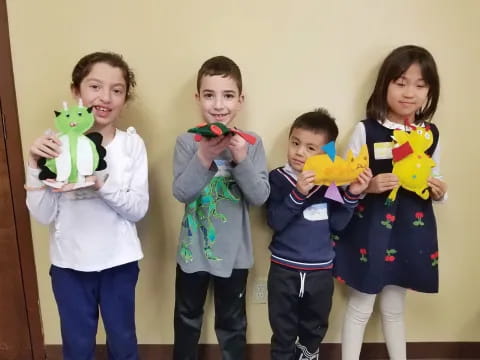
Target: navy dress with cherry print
{"x": 389, "y": 245}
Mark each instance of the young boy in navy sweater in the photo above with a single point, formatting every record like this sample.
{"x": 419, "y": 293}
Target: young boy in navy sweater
{"x": 300, "y": 284}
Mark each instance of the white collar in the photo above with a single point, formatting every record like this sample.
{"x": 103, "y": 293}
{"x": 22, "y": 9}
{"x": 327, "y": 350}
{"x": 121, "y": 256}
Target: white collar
{"x": 396, "y": 126}
{"x": 291, "y": 171}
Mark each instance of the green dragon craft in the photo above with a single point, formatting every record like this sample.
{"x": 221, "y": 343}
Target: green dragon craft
{"x": 80, "y": 154}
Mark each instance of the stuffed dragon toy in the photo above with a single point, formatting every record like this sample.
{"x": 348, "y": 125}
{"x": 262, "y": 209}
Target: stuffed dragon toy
{"x": 80, "y": 154}
{"x": 218, "y": 129}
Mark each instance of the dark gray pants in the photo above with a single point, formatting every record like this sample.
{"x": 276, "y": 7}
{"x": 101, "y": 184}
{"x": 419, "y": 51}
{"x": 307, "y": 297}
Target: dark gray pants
{"x": 230, "y": 314}
{"x": 298, "y": 313}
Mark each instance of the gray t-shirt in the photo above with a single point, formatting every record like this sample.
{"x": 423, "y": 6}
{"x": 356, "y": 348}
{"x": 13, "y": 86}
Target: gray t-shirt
{"x": 215, "y": 231}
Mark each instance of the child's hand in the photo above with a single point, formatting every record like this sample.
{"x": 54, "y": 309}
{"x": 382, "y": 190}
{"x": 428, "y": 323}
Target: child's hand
{"x": 438, "y": 188}
{"x": 64, "y": 188}
{"x": 47, "y": 146}
{"x": 209, "y": 149}
{"x": 239, "y": 148}
{"x": 305, "y": 181}
{"x": 382, "y": 182}
{"x": 96, "y": 184}
{"x": 99, "y": 179}
{"x": 361, "y": 183}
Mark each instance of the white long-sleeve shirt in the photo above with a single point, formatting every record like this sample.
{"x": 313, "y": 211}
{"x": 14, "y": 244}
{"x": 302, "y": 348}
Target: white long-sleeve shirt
{"x": 95, "y": 230}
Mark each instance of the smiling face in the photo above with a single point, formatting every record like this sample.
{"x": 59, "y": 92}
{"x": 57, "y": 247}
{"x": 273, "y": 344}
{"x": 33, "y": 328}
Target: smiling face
{"x": 103, "y": 89}
{"x": 406, "y": 95}
{"x": 302, "y": 144}
{"x": 219, "y": 99}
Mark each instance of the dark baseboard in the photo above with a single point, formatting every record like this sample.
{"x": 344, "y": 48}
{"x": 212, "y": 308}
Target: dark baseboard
{"x": 416, "y": 350}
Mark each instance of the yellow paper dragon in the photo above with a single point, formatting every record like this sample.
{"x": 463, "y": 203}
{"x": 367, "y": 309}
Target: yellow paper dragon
{"x": 331, "y": 169}
{"x": 410, "y": 163}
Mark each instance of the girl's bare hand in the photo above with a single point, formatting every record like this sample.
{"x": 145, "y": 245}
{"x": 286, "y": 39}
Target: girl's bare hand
{"x": 382, "y": 182}
{"x": 438, "y": 188}
{"x": 46, "y": 146}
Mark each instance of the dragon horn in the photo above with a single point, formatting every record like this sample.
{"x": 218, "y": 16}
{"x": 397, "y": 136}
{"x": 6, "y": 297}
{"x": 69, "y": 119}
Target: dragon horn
{"x": 80, "y": 102}
{"x": 65, "y": 106}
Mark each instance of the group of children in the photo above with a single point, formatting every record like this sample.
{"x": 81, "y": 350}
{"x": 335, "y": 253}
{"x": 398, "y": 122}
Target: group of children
{"x": 95, "y": 249}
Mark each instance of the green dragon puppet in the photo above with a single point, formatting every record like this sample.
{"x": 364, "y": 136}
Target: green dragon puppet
{"x": 81, "y": 154}
{"x": 219, "y": 129}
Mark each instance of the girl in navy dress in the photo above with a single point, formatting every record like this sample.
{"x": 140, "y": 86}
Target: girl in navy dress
{"x": 388, "y": 249}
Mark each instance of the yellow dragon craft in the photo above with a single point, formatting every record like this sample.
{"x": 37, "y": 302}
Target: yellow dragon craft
{"x": 333, "y": 171}
{"x": 410, "y": 163}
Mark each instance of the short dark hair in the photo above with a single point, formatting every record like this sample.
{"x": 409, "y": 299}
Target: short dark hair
{"x": 220, "y": 65}
{"x": 317, "y": 121}
{"x": 396, "y": 64}
{"x": 85, "y": 64}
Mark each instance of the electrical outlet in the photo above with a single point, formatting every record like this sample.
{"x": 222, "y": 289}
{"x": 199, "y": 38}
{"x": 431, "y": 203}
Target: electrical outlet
{"x": 260, "y": 292}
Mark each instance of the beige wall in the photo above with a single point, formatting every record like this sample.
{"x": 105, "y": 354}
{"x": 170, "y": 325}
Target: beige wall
{"x": 295, "y": 55}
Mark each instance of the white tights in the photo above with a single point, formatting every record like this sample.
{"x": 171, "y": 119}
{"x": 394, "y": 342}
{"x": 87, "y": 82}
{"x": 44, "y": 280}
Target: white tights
{"x": 359, "y": 309}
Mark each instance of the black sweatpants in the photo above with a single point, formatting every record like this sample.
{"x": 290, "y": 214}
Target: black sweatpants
{"x": 230, "y": 314}
{"x": 299, "y": 304}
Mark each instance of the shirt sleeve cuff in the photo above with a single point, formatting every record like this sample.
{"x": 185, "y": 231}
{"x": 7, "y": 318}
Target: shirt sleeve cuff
{"x": 109, "y": 186}
{"x": 32, "y": 179}
{"x": 297, "y": 197}
{"x": 442, "y": 200}
{"x": 353, "y": 197}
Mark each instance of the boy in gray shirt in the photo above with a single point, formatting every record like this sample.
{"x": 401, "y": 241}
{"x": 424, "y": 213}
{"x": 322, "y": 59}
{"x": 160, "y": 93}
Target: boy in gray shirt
{"x": 217, "y": 179}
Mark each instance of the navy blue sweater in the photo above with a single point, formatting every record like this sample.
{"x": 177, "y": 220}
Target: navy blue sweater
{"x": 302, "y": 224}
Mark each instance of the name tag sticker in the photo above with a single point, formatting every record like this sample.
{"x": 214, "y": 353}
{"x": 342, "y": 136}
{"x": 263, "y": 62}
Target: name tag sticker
{"x": 316, "y": 212}
{"x": 224, "y": 167}
{"x": 383, "y": 150}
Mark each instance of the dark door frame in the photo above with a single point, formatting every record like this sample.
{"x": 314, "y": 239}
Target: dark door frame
{"x": 13, "y": 144}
